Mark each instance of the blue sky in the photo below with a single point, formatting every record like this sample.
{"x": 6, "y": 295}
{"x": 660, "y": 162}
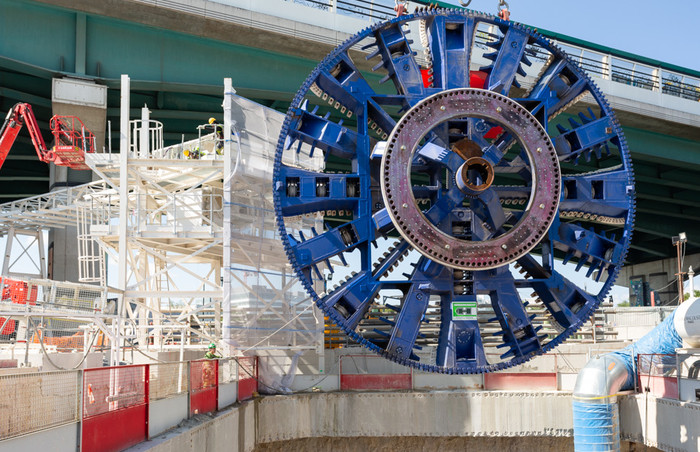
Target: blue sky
{"x": 665, "y": 31}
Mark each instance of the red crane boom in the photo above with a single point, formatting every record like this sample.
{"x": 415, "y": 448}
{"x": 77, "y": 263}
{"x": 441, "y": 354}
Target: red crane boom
{"x": 73, "y": 140}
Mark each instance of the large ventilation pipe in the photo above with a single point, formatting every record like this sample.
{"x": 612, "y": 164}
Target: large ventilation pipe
{"x": 596, "y": 413}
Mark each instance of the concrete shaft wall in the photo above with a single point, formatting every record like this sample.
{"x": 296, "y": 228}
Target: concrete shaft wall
{"x": 381, "y": 416}
{"x": 445, "y": 421}
{"x": 445, "y": 414}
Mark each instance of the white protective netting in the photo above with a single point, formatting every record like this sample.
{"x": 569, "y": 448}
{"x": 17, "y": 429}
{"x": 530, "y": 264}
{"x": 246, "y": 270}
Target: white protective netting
{"x": 269, "y": 307}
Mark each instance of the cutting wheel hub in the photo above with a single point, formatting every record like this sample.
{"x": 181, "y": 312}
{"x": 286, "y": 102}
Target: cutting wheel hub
{"x": 475, "y": 175}
{"x": 430, "y": 239}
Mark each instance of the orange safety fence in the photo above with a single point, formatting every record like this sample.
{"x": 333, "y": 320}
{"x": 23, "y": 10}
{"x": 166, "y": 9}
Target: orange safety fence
{"x": 69, "y": 343}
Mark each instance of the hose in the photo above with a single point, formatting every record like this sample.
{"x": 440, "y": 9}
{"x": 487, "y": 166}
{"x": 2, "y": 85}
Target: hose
{"x": 595, "y": 408}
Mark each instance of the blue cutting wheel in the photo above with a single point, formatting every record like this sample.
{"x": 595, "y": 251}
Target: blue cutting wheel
{"x": 465, "y": 174}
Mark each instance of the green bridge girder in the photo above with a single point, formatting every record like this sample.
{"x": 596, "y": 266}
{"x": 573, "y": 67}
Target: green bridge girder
{"x": 179, "y": 76}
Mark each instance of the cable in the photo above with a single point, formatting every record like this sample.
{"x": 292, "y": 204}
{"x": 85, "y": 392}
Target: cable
{"x": 48, "y": 358}
{"x": 134, "y": 347}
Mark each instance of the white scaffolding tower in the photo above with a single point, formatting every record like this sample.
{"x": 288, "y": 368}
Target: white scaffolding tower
{"x": 190, "y": 230}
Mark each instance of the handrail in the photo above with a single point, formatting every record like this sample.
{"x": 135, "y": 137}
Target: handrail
{"x": 645, "y": 73}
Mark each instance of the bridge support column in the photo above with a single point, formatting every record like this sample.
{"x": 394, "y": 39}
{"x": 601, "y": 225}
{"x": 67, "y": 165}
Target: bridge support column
{"x": 87, "y": 101}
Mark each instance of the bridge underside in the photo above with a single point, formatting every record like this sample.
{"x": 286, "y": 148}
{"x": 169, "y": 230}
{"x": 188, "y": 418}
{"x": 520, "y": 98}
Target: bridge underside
{"x": 177, "y": 63}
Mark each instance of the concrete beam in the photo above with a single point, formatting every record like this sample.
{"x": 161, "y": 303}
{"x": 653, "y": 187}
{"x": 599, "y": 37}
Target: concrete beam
{"x": 197, "y": 24}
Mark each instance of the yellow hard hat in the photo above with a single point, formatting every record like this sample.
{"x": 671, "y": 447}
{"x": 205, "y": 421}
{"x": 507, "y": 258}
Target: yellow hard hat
{"x": 212, "y": 120}
{"x": 186, "y": 152}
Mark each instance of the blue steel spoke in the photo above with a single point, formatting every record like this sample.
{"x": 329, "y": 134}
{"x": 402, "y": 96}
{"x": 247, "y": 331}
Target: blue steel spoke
{"x": 397, "y": 58}
{"x": 460, "y": 348}
{"x": 559, "y": 86}
{"x": 561, "y": 297}
{"x": 590, "y": 247}
{"x": 604, "y": 193}
{"x": 319, "y": 132}
{"x": 450, "y": 43}
{"x": 349, "y": 303}
{"x": 408, "y": 321}
{"x": 345, "y": 85}
{"x": 519, "y": 335}
{"x": 435, "y": 153}
{"x": 444, "y": 205}
{"x": 427, "y": 277}
{"x": 589, "y": 135}
{"x": 303, "y": 191}
{"x": 487, "y": 207}
{"x": 313, "y": 250}
{"x": 507, "y": 61}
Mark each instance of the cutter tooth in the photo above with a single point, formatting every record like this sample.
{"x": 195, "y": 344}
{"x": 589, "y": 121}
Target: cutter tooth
{"x": 372, "y": 55}
{"x": 369, "y": 46}
{"x": 592, "y": 268}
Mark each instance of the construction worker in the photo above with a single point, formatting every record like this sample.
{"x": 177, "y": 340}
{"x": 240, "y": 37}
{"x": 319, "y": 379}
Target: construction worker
{"x": 219, "y": 131}
{"x": 211, "y": 354}
{"x": 194, "y": 154}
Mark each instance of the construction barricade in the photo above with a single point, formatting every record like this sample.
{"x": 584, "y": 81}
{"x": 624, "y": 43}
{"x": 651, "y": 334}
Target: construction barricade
{"x": 204, "y": 386}
{"x": 247, "y": 377}
{"x": 47, "y": 400}
{"x": 539, "y": 375}
{"x": 657, "y": 374}
{"x": 115, "y": 407}
{"x": 373, "y": 373}
{"x": 168, "y": 396}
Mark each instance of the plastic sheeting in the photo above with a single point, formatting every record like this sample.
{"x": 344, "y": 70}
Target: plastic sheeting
{"x": 663, "y": 339}
{"x": 273, "y": 378}
{"x": 269, "y": 306}
{"x": 596, "y": 427}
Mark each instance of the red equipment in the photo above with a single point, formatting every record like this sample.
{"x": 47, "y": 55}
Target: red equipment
{"x": 17, "y": 292}
{"x": 73, "y": 140}
{"x": 477, "y": 79}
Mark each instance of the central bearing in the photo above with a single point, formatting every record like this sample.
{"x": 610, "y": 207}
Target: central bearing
{"x": 473, "y": 176}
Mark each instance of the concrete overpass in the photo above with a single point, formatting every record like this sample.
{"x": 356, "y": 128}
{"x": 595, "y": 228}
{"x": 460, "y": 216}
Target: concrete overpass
{"x": 178, "y": 51}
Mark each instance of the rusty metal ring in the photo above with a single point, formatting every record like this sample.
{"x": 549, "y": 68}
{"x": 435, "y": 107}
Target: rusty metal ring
{"x": 411, "y": 222}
